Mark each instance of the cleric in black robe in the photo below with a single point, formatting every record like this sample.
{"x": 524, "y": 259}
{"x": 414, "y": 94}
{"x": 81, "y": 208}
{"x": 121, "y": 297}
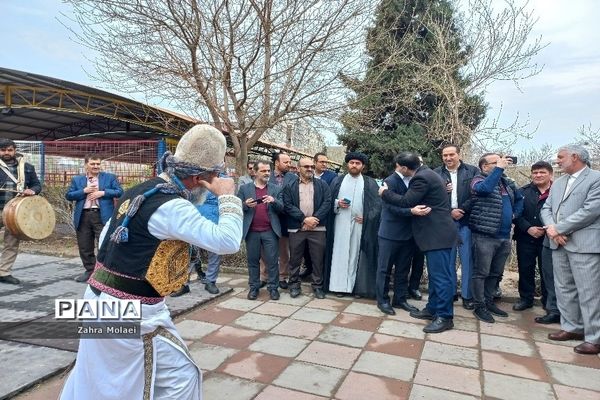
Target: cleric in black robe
{"x": 364, "y": 270}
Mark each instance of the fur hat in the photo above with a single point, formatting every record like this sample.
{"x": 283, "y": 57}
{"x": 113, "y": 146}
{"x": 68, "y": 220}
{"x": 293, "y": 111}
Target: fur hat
{"x": 203, "y": 146}
{"x": 356, "y": 155}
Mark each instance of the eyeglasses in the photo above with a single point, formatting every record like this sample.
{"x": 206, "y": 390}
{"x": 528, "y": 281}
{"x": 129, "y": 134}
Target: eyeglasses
{"x": 307, "y": 166}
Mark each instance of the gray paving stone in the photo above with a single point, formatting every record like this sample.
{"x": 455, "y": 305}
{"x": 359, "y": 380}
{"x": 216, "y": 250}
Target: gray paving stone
{"x": 573, "y": 375}
{"x": 209, "y": 357}
{"x": 26, "y": 260}
{"x": 346, "y": 336}
{"x": 24, "y": 365}
{"x": 465, "y": 324}
{"x": 315, "y": 315}
{"x": 310, "y": 378}
{"x": 506, "y": 387}
{"x": 219, "y": 386}
{"x": 397, "y": 328}
{"x": 507, "y": 345}
{"x": 420, "y": 392}
{"x": 449, "y": 354}
{"x": 381, "y": 364}
{"x": 259, "y": 322}
{"x": 235, "y": 303}
{"x": 369, "y": 310}
{"x": 285, "y": 298}
{"x": 190, "y": 329}
{"x": 283, "y": 346}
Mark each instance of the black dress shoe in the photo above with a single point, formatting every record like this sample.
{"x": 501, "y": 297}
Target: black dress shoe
{"x": 184, "y": 290}
{"x": 522, "y": 305}
{"x": 274, "y": 294}
{"x": 283, "y": 284}
{"x": 404, "y": 305}
{"x": 319, "y": 293}
{"x": 551, "y": 318}
{"x": 252, "y": 294}
{"x": 295, "y": 292}
{"x": 340, "y": 295}
{"x": 263, "y": 284}
{"x": 211, "y": 288}
{"x": 83, "y": 277}
{"x": 423, "y": 314}
{"x": 14, "y": 281}
{"x": 468, "y": 304}
{"x": 439, "y": 325}
{"x": 482, "y": 314}
{"x": 455, "y": 297}
{"x": 491, "y": 307}
{"x": 386, "y": 308}
{"x": 415, "y": 294}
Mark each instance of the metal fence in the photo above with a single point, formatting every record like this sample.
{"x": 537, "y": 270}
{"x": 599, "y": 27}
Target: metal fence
{"x": 58, "y": 161}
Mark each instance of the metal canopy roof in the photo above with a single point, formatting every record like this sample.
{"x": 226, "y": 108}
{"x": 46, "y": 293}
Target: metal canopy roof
{"x": 37, "y": 107}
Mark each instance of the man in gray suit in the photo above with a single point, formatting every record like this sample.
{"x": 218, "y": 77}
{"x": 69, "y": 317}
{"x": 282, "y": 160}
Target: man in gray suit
{"x": 261, "y": 202}
{"x": 572, "y": 218}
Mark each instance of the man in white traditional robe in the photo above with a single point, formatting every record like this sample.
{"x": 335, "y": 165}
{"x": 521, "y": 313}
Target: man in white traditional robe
{"x": 356, "y": 209}
{"x": 144, "y": 256}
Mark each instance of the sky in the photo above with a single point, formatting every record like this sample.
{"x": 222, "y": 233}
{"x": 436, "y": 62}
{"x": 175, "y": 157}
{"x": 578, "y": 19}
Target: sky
{"x": 558, "y": 101}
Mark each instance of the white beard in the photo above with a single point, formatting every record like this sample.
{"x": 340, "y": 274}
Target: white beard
{"x": 198, "y": 196}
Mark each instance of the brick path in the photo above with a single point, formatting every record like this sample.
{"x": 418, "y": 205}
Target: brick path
{"x": 305, "y": 348}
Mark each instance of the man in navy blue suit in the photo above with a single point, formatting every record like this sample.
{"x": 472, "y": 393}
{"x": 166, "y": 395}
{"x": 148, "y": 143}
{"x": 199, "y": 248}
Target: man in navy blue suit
{"x": 396, "y": 246}
{"x": 435, "y": 234}
{"x": 94, "y": 194}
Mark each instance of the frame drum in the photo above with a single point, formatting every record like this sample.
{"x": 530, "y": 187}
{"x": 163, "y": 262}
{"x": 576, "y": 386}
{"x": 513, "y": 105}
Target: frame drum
{"x": 29, "y": 217}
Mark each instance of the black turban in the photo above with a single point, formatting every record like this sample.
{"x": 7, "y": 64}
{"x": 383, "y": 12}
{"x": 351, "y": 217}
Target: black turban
{"x": 355, "y": 155}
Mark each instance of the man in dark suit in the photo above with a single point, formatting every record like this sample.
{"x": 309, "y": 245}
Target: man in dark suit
{"x": 281, "y": 176}
{"x": 262, "y": 202}
{"x": 434, "y": 233}
{"x": 94, "y": 194}
{"x": 321, "y": 168}
{"x": 307, "y": 204}
{"x": 458, "y": 176}
{"x": 396, "y": 246}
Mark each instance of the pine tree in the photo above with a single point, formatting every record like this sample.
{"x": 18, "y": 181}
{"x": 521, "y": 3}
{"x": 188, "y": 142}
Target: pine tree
{"x": 412, "y": 96}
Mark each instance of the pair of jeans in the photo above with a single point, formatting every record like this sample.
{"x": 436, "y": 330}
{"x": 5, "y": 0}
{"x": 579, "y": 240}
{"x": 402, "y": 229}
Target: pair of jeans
{"x": 442, "y": 283}
{"x": 489, "y": 256}
{"x": 269, "y": 241}
{"x": 466, "y": 260}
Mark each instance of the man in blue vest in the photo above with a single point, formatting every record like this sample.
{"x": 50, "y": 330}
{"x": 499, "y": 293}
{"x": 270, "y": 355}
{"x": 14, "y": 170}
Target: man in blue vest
{"x": 496, "y": 202}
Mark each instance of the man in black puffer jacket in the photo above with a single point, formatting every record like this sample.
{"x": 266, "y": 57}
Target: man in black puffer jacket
{"x": 496, "y": 202}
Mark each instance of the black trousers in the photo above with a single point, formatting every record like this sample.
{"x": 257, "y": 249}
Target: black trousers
{"x": 315, "y": 240}
{"x": 416, "y": 270}
{"x": 396, "y": 253}
{"x": 90, "y": 227}
{"x": 529, "y": 255}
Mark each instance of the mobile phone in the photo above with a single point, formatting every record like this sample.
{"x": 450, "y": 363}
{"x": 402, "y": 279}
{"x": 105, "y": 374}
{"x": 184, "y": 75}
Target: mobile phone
{"x": 259, "y": 201}
{"x": 347, "y": 201}
{"x": 514, "y": 159}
